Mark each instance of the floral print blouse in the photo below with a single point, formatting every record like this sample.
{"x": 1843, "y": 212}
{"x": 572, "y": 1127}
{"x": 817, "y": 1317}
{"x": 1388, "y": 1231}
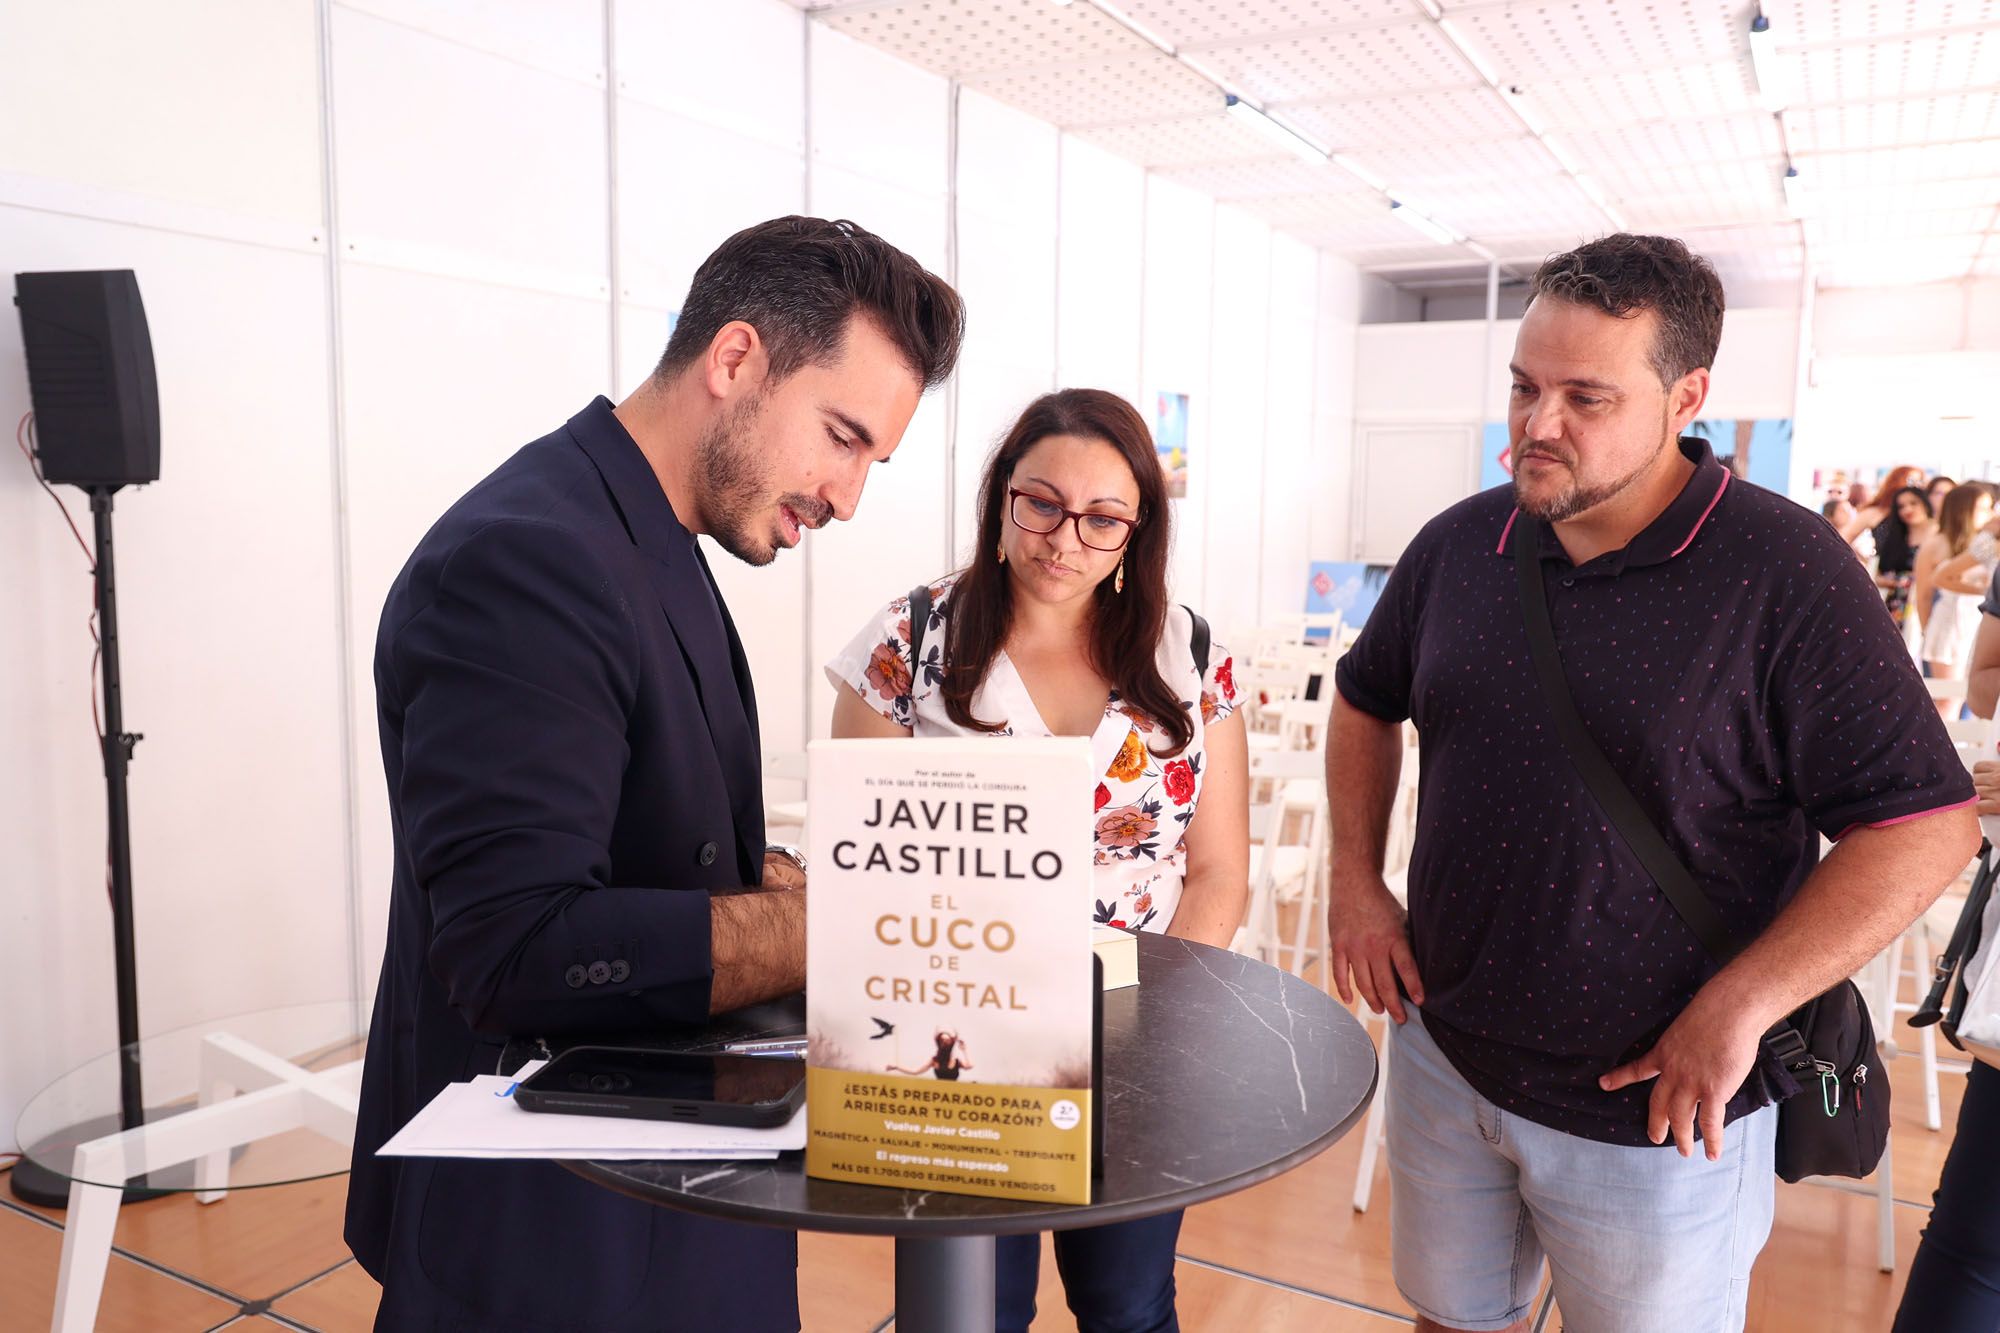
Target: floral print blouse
{"x": 1144, "y": 803}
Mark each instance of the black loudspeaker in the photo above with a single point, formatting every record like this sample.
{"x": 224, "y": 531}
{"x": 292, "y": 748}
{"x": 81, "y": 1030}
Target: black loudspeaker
{"x": 90, "y": 377}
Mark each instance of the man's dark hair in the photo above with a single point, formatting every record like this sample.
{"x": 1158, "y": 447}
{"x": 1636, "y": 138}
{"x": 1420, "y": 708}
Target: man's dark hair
{"x": 798, "y": 280}
{"x": 1623, "y": 274}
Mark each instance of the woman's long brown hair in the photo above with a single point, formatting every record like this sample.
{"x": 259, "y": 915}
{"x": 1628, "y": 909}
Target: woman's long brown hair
{"x": 1954, "y": 516}
{"x": 1125, "y": 628}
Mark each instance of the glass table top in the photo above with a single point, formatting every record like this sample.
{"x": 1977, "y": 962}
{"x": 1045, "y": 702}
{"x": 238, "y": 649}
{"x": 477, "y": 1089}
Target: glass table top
{"x": 318, "y": 1040}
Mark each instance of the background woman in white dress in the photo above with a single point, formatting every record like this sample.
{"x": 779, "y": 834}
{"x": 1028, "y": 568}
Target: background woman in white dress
{"x": 1950, "y": 611}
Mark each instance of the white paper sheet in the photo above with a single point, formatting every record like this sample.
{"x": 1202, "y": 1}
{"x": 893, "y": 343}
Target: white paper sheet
{"x": 480, "y": 1119}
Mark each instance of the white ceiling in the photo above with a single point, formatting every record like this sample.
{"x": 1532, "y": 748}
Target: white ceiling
{"x": 1524, "y": 125}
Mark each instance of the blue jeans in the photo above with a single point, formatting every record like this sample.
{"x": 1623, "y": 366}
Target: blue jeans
{"x": 1638, "y": 1240}
{"x": 1955, "y": 1279}
{"x": 1117, "y": 1278}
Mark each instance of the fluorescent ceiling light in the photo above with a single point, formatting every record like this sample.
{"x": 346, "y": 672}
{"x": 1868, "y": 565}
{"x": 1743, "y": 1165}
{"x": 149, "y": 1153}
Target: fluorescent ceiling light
{"x": 1360, "y": 173}
{"x": 1465, "y": 48}
{"x": 1275, "y": 130}
{"x": 1430, "y": 227}
{"x": 1561, "y": 155}
{"x": 1132, "y": 25}
{"x": 1773, "y": 80}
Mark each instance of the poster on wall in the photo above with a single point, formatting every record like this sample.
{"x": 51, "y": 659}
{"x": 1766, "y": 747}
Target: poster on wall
{"x": 1170, "y": 440}
{"x": 1347, "y": 587}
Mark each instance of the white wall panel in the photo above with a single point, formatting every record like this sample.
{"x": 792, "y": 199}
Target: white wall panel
{"x": 1102, "y": 270}
{"x": 1228, "y": 470}
{"x": 563, "y": 37}
{"x": 453, "y": 160}
{"x": 1179, "y": 244}
{"x": 1007, "y": 180}
{"x": 1342, "y": 291}
{"x": 166, "y": 101}
{"x": 875, "y": 116}
{"x": 737, "y": 66}
{"x": 1428, "y": 372}
{"x": 1289, "y": 496}
{"x": 1755, "y": 374}
{"x": 227, "y": 600}
{"x": 671, "y": 215}
{"x": 444, "y": 380}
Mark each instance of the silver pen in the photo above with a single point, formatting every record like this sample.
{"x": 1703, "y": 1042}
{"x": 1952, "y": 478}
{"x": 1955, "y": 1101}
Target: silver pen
{"x": 792, "y": 1047}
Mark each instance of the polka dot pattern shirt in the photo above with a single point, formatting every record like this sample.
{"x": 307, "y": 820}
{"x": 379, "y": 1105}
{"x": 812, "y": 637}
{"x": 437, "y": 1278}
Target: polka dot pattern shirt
{"x": 1737, "y": 667}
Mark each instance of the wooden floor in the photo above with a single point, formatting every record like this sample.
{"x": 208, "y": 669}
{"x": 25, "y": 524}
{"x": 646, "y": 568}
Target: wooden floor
{"x": 1287, "y": 1256}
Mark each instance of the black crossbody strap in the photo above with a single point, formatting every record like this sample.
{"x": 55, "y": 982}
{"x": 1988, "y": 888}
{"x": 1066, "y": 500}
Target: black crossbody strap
{"x": 920, "y": 619}
{"x": 1613, "y": 797}
{"x": 1198, "y": 644}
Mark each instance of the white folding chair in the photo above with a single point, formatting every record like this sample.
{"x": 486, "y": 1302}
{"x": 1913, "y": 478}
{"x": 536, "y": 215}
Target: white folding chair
{"x": 1396, "y": 860}
{"x": 785, "y": 775}
{"x": 1282, "y": 851}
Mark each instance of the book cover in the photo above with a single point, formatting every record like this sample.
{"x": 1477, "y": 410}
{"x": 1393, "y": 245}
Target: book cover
{"x": 948, "y": 966}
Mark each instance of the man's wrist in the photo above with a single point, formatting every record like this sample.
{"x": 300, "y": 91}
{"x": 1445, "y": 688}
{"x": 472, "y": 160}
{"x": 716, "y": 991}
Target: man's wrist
{"x": 789, "y": 853}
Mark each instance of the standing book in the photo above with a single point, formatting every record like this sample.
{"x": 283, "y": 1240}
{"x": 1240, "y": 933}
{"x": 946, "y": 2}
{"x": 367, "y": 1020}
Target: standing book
{"x": 949, "y": 985}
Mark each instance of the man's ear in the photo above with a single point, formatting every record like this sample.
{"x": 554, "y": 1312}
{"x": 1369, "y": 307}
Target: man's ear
{"x": 736, "y": 361}
{"x": 1685, "y": 399}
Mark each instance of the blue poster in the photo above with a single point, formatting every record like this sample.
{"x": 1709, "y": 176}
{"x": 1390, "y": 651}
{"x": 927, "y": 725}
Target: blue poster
{"x": 1349, "y": 587}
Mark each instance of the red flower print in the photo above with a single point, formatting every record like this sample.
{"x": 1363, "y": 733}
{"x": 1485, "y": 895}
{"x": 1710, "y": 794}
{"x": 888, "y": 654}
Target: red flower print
{"x": 1103, "y": 797}
{"x": 1179, "y": 780}
{"x": 1225, "y": 677}
{"x": 888, "y": 672}
{"x": 1118, "y": 923}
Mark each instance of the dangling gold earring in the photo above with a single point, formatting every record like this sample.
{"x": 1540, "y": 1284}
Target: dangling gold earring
{"x": 1118, "y": 580}
{"x": 1000, "y": 554}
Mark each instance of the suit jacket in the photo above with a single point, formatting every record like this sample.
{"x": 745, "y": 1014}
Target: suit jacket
{"x": 571, "y": 745}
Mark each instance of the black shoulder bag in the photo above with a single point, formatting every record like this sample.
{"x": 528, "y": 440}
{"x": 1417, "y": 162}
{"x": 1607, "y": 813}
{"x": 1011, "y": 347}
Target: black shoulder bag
{"x": 1826, "y": 1045}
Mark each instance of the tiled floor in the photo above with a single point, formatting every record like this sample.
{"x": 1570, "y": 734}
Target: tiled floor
{"x": 1290, "y": 1254}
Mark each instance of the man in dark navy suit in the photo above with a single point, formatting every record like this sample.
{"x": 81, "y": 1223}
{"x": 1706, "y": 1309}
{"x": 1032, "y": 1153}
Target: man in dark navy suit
{"x": 574, "y": 774}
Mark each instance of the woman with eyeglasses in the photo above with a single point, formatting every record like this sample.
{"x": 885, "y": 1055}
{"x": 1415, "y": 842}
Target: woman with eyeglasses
{"x": 1061, "y": 626}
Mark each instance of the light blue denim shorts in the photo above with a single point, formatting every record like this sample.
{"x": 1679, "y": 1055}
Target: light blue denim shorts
{"x": 1638, "y": 1240}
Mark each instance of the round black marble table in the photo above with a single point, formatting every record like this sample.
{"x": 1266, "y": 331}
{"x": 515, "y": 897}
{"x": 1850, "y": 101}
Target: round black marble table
{"x": 1219, "y": 1072}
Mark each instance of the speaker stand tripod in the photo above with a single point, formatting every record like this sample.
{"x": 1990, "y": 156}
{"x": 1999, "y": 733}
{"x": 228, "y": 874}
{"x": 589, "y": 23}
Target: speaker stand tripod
{"x": 32, "y": 1181}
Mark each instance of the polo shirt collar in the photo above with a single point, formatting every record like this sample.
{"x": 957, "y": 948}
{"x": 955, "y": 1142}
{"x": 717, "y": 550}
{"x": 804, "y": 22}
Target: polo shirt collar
{"x": 635, "y": 488}
{"x": 1666, "y": 536}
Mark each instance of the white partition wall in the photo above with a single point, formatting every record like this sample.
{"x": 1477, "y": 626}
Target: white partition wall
{"x": 1175, "y": 348}
{"x": 385, "y": 243}
{"x": 1226, "y": 472}
{"x": 1007, "y": 186}
{"x": 1101, "y": 270}
{"x": 1291, "y": 352}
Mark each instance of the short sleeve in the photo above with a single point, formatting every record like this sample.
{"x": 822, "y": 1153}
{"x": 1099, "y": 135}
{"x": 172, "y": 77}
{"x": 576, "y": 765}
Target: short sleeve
{"x": 875, "y": 664}
{"x": 1375, "y": 674}
{"x": 1862, "y": 741}
{"x": 1218, "y": 688}
{"x": 1991, "y": 606}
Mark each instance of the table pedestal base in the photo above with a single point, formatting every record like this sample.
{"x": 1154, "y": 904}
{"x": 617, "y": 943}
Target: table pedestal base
{"x": 944, "y": 1285}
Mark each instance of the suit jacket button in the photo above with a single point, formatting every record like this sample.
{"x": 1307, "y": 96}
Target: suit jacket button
{"x": 707, "y": 854}
{"x": 577, "y": 974}
{"x": 620, "y": 970}
{"x": 600, "y": 972}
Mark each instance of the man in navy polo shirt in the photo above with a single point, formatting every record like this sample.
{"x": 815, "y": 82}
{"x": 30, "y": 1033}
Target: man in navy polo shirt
{"x": 1737, "y": 667}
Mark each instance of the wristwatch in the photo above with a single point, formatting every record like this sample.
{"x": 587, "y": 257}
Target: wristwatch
{"x": 789, "y": 852}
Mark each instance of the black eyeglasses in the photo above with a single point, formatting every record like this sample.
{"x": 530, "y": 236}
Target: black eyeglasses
{"x": 1041, "y": 515}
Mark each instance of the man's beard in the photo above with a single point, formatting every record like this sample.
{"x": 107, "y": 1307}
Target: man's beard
{"x": 1579, "y": 499}
{"x": 734, "y": 504}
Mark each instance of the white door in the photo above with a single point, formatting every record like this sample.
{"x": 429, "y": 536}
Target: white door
{"x": 1407, "y": 474}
